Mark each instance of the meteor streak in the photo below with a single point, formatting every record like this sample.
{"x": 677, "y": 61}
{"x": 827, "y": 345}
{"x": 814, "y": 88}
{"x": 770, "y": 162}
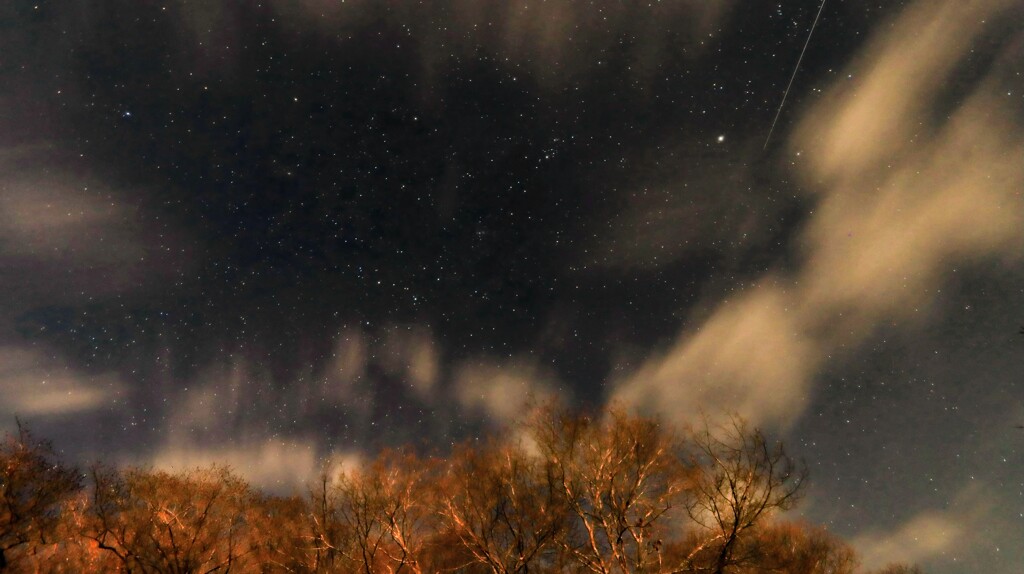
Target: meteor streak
{"x": 791, "y": 78}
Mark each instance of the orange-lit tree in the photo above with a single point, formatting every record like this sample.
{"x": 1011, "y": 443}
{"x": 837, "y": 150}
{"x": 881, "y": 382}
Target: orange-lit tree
{"x": 504, "y": 507}
{"x": 374, "y": 519}
{"x": 741, "y": 481}
{"x": 187, "y": 523}
{"x": 34, "y": 487}
{"x": 625, "y": 482}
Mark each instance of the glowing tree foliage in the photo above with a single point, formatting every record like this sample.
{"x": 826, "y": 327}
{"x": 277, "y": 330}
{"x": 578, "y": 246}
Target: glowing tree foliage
{"x": 155, "y": 522}
{"x": 560, "y": 493}
{"x": 33, "y": 490}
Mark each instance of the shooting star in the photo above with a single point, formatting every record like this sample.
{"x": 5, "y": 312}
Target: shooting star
{"x": 793, "y": 77}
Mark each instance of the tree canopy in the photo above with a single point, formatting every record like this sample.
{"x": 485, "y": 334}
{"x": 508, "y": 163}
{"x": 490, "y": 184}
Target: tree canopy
{"x": 608, "y": 493}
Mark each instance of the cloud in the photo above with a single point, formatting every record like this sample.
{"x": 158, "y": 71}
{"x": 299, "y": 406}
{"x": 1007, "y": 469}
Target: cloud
{"x": 368, "y": 393}
{"x": 233, "y": 414}
{"x": 901, "y": 204}
{"x": 881, "y": 113}
{"x": 235, "y": 399}
{"x": 553, "y": 40}
{"x": 904, "y": 200}
{"x": 674, "y": 213}
{"x": 752, "y": 355}
{"x": 929, "y": 534}
{"x": 34, "y": 385}
{"x": 236, "y": 403}
{"x": 275, "y": 464}
{"x": 64, "y": 234}
{"x": 348, "y": 365}
{"x": 501, "y": 391}
{"x": 410, "y": 353}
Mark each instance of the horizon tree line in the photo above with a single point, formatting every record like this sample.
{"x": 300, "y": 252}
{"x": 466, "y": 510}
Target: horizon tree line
{"x": 560, "y": 492}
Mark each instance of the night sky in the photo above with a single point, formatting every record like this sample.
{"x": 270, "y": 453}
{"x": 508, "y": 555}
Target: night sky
{"x": 269, "y": 234}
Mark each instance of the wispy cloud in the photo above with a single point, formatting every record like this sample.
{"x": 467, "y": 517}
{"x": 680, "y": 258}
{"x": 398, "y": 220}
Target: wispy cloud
{"x": 411, "y": 354}
{"x": 275, "y": 464}
{"x": 752, "y": 356}
{"x": 907, "y": 192}
{"x": 944, "y": 534}
{"x": 34, "y": 385}
{"x": 553, "y": 40}
{"x": 66, "y": 235}
{"x": 501, "y": 391}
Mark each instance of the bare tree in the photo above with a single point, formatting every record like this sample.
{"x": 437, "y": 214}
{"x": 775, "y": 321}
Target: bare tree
{"x": 157, "y": 522}
{"x": 796, "y": 548}
{"x": 900, "y": 569}
{"x": 405, "y": 483}
{"x": 741, "y": 481}
{"x": 330, "y": 538}
{"x": 607, "y": 494}
{"x": 624, "y": 480}
{"x": 282, "y": 539}
{"x": 375, "y": 519}
{"x": 67, "y": 550}
{"x": 503, "y": 507}
{"x": 33, "y": 489}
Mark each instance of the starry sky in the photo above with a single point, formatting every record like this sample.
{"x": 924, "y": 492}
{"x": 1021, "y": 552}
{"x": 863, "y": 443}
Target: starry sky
{"x": 271, "y": 233}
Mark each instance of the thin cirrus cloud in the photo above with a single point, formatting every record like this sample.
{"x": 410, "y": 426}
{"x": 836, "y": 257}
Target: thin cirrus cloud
{"x": 66, "y": 235}
{"x": 501, "y": 391}
{"x": 260, "y": 427}
{"x": 214, "y": 421}
{"x": 944, "y": 535}
{"x": 280, "y": 464}
{"x": 410, "y": 353}
{"x": 549, "y": 43}
{"x": 686, "y": 212}
{"x": 237, "y": 407}
{"x": 905, "y": 195}
{"x": 552, "y": 41}
{"x": 34, "y": 385}
{"x": 348, "y": 364}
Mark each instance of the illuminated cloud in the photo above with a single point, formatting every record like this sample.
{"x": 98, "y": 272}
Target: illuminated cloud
{"x": 348, "y": 365}
{"x": 238, "y": 400}
{"x": 751, "y": 355}
{"x": 215, "y": 420}
{"x": 943, "y": 534}
{"x": 888, "y": 106}
{"x": 357, "y": 396}
{"x": 274, "y": 464}
{"x": 33, "y": 386}
{"x": 902, "y": 203}
{"x": 675, "y": 212}
{"x": 65, "y": 235}
{"x": 502, "y": 391}
{"x": 237, "y": 403}
{"x": 923, "y": 536}
{"x": 410, "y": 353}
{"x": 553, "y": 40}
